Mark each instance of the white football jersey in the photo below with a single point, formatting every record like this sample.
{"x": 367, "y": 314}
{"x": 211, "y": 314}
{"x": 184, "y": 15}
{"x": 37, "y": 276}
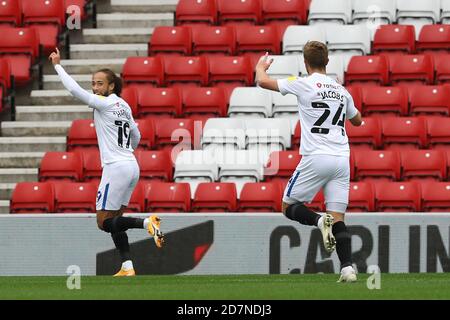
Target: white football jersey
{"x": 113, "y": 121}
{"x": 324, "y": 105}
{"x": 113, "y": 125}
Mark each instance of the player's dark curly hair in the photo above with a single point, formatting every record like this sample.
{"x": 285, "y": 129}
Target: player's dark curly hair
{"x": 113, "y": 78}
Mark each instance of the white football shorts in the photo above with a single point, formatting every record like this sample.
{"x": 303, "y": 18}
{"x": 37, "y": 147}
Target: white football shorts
{"x": 332, "y": 173}
{"x": 117, "y": 184}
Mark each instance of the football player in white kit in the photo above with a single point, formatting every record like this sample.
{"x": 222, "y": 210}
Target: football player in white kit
{"x": 118, "y": 136}
{"x": 324, "y": 105}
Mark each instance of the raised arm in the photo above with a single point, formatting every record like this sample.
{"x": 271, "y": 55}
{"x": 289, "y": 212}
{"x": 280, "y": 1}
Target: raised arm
{"x": 73, "y": 87}
{"x": 262, "y": 79}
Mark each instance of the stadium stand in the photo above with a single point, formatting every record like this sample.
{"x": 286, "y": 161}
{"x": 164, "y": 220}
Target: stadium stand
{"x": 199, "y": 65}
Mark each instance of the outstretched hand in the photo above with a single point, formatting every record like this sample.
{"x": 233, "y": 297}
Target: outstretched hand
{"x": 264, "y": 63}
{"x": 55, "y": 57}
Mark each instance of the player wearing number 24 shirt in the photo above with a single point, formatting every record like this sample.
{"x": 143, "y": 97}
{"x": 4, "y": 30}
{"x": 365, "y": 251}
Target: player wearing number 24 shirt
{"x": 323, "y": 105}
{"x": 118, "y": 136}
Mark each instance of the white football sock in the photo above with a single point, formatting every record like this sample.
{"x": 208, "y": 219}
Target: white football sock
{"x": 127, "y": 265}
{"x": 320, "y": 222}
{"x": 146, "y": 222}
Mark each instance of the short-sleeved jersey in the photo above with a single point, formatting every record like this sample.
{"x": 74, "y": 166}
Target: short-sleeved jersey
{"x": 113, "y": 124}
{"x": 324, "y": 105}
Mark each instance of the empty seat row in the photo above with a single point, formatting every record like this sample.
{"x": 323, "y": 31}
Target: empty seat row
{"x": 192, "y": 102}
{"x": 167, "y": 132}
{"x": 400, "y": 133}
{"x": 72, "y": 197}
{"x": 416, "y": 12}
{"x": 160, "y": 134}
{"x": 246, "y": 133}
{"x": 398, "y": 70}
{"x": 23, "y": 12}
{"x": 225, "y": 12}
{"x": 387, "y": 39}
{"x": 416, "y": 100}
{"x": 79, "y": 197}
{"x": 196, "y": 71}
{"x": 224, "y": 40}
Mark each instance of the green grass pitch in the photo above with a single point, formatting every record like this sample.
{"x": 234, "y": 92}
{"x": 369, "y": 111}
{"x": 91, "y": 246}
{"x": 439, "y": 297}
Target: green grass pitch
{"x": 233, "y": 287}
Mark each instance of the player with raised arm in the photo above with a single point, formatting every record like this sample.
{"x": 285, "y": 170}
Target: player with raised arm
{"x": 324, "y": 105}
{"x": 118, "y": 136}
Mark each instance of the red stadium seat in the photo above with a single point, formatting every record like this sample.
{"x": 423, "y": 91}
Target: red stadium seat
{"x": 239, "y": 12}
{"x": 147, "y": 129}
{"x": 130, "y": 95}
{"x": 397, "y": 197}
{"x": 92, "y": 165}
{"x": 394, "y": 39}
{"x": 367, "y": 70}
{"x": 256, "y": 40}
{"x": 377, "y": 164}
{"x": 435, "y": 196}
{"x": 159, "y": 102}
{"x": 281, "y": 165}
{"x": 32, "y": 197}
{"x": 48, "y": 18}
{"x": 170, "y": 40}
{"x": 75, "y": 197}
{"x": 198, "y": 102}
{"x": 368, "y": 134}
{"x": 171, "y": 132}
{"x": 431, "y": 164}
{"x": 168, "y": 197}
{"x": 20, "y": 46}
{"x": 194, "y": 11}
{"x": 214, "y": 40}
{"x": 155, "y": 165}
{"x": 442, "y": 68}
{"x": 137, "y": 200}
{"x": 11, "y": 12}
{"x": 439, "y": 132}
{"x": 61, "y": 166}
{"x": 235, "y": 70}
{"x": 356, "y": 93}
{"x": 404, "y": 133}
{"x": 434, "y": 38}
{"x": 431, "y": 100}
{"x": 142, "y": 71}
{"x": 260, "y": 197}
{"x": 361, "y": 197}
{"x": 82, "y": 135}
{"x": 186, "y": 70}
{"x": 215, "y": 197}
{"x": 292, "y": 11}
{"x": 411, "y": 69}
{"x": 385, "y": 100}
